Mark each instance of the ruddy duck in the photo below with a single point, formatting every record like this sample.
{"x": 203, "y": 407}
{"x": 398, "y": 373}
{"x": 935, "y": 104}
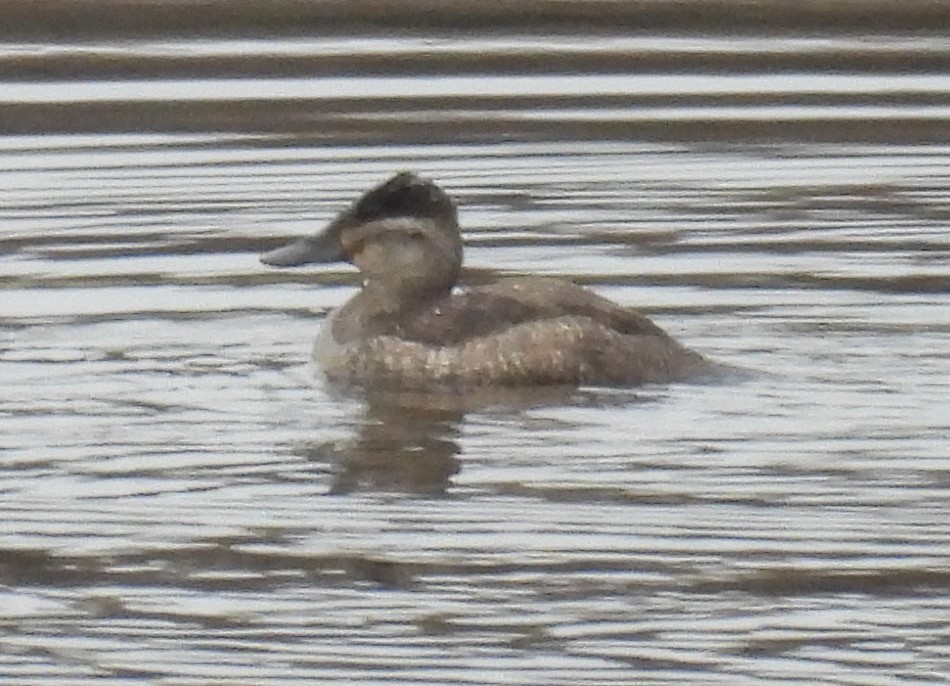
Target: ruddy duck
{"x": 406, "y": 329}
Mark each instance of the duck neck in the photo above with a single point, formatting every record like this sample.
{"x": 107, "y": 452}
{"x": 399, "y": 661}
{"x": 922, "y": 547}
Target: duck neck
{"x": 378, "y": 309}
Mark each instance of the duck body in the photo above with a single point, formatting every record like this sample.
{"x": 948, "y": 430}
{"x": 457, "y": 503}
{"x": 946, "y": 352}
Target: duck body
{"x": 409, "y": 329}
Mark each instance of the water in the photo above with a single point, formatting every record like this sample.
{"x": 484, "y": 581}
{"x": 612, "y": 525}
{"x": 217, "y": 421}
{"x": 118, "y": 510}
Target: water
{"x": 185, "y": 502}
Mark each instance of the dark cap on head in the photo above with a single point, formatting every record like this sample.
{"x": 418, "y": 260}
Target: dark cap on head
{"x": 403, "y": 195}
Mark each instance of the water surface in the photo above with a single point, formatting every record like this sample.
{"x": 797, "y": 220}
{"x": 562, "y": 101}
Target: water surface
{"x": 186, "y": 502}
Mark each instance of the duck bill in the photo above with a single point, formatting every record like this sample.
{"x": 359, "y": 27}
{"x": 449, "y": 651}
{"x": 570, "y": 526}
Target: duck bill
{"x": 313, "y": 249}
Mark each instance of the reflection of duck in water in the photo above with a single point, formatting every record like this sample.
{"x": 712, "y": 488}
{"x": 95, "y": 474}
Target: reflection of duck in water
{"x": 406, "y": 329}
{"x": 394, "y": 448}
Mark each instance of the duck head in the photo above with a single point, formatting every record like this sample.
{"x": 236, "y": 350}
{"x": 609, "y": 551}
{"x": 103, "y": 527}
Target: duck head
{"x": 402, "y": 235}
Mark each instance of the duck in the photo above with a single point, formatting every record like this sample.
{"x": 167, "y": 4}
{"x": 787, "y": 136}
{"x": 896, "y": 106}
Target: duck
{"x": 411, "y": 328}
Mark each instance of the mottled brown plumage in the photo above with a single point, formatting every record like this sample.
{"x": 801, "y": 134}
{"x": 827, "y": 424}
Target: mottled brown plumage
{"x": 406, "y": 329}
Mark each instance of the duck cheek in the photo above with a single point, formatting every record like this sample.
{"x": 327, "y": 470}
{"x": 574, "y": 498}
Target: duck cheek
{"x": 369, "y": 258}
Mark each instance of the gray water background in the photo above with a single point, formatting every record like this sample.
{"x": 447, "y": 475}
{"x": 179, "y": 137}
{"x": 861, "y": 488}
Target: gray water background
{"x": 184, "y": 501}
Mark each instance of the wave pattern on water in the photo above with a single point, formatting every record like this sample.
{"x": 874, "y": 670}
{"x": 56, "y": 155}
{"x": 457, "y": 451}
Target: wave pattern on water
{"x": 183, "y": 503}
{"x": 519, "y": 88}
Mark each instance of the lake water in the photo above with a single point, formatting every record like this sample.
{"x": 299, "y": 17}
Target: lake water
{"x": 184, "y": 501}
